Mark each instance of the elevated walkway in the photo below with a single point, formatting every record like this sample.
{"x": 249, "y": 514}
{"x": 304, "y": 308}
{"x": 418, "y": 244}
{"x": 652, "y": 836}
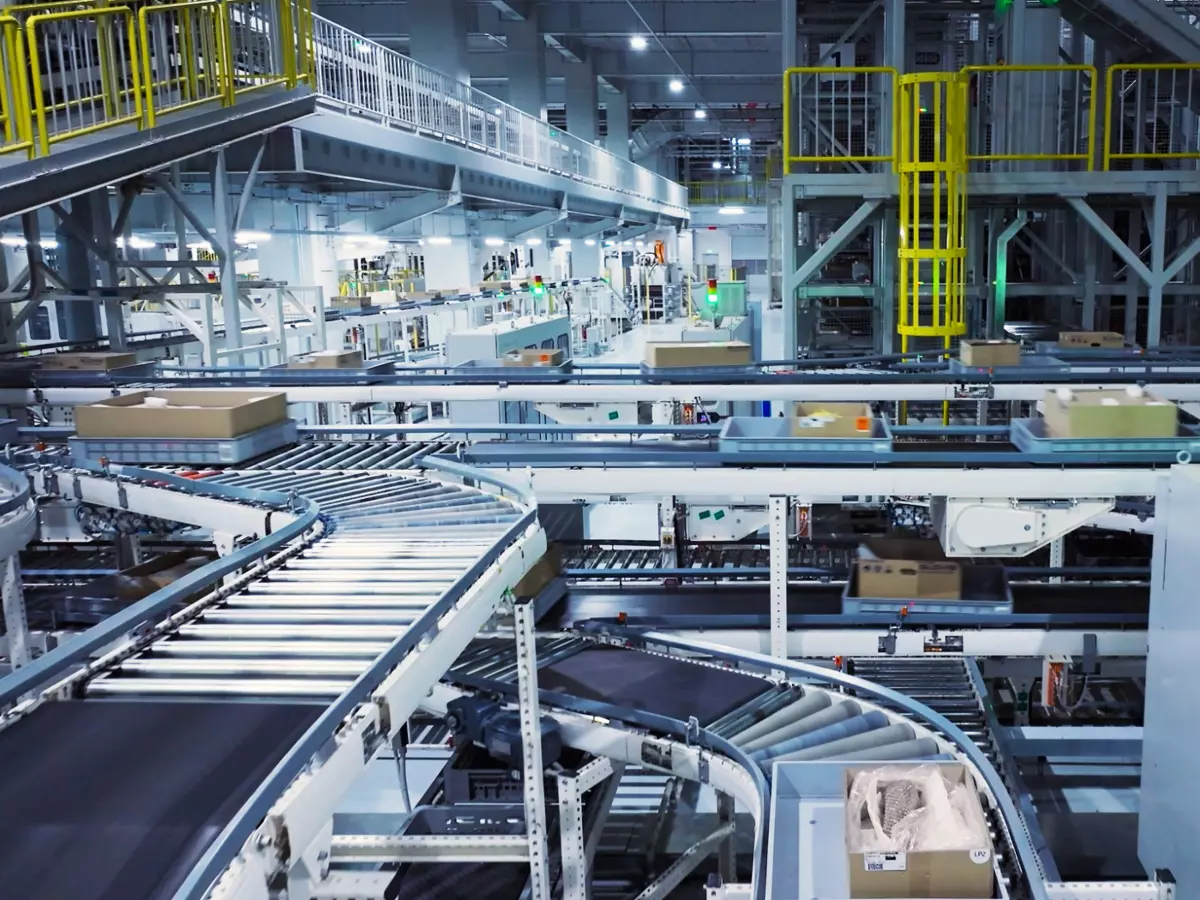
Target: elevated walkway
{"x": 134, "y": 88}
{"x": 1140, "y": 31}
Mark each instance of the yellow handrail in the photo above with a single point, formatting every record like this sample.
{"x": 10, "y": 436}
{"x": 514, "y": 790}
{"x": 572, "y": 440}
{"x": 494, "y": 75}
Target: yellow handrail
{"x": 1109, "y": 153}
{"x": 13, "y": 92}
{"x": 835, "y": 71}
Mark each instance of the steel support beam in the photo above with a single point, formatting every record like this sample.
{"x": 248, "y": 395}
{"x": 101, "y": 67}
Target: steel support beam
{"x": 411, "y": 209}
{"x": 576, "y": 864}
{"x": 533, "y": 774}
{"x": 230, "y": 302}
{"x": 1158, "y": 249}
{"x": 16, "y": 623}
{"x": 999, "y": 283}
{"x": 777, "y": 529}
{"x": 536, "y": 222}
{"x": 844, "y": 234}
{"x": 685, "y": 864}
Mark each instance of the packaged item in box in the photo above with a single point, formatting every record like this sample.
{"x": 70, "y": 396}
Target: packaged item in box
{"x": 916, "y": 831}
{"x": 907, "y": 569}
{"x": 1127, "y": 413}
{"x": 219, "y": 413}
{"x": 832, "y": 420}
{"x": 92, "y": 361}
{"x": 535, "y": 357}
{"x": 541, "y": 574}
{"x": 1106, "y": 340}
{"x": 697, "y": 354}
{"x": 989, "y": 354}
{"x": 328, "y": 359}
{"x": 350, "y": 302}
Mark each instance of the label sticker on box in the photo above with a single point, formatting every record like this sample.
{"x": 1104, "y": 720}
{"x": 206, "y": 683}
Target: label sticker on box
{"x": 979, "y": 857}
{"x": 885, "y": 862}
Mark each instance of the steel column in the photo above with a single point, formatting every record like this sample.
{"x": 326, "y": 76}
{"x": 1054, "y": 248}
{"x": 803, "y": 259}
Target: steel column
{"x": 531, "y": 753}
{"x": 777, "y": 527}
{"x": 16, "y": 623}
{"x": 1158, "y": 249}
{"x": 226, "y": 253}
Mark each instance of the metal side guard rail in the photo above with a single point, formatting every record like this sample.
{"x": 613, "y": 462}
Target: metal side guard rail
{"x": 72, "y": 69}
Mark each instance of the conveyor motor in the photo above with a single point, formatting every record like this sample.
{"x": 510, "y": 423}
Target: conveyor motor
{"x": 498, "y": 730}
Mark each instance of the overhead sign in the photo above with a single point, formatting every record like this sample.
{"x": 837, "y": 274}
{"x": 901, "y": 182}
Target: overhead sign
{"x": 837, "y": 56}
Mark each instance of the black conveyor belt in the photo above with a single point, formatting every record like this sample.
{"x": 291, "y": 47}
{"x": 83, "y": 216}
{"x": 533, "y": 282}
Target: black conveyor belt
{"x": 655, "y": 684}
{"x": 117, "y": 800}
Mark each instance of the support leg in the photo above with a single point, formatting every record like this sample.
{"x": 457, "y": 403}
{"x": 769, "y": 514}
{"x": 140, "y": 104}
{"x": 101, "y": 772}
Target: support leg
{"x": 777, "y": 529}
{"x": 16, "y": 624}
{"x": 531, "y": 751}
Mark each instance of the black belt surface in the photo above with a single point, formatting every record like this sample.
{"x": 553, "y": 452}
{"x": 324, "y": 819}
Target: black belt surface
{"x": 118, "y": 800}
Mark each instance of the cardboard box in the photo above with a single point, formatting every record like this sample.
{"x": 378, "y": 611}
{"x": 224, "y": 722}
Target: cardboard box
{"x": 92, "y": 362}
{"x": 1108, "y": 340}
{"x": 328, "y": 359}
{"x": 687, "y": 354}
{"x": 534, "y": 358}
{"x": 1108, "y": 414}
{"x": 188, "y": 414}
{"x": 989, "y": 354}
{"x": 907, "y": 570}
{"x": 350, "y": 302}
{"x": 832, "y": 420}
{"x": 544, "y": 571}
{"x": 960, "y": 874}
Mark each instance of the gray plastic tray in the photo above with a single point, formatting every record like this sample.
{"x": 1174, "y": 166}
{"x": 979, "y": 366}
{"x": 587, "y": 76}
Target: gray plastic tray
{"x": 208, "y": 451}
{"x": 675, "y": 372}
{"x": 746, "y": 434}
{"x": 497, "y": 369}
{"x": 1029, "y": 436}
{"x": 985, "y": 593}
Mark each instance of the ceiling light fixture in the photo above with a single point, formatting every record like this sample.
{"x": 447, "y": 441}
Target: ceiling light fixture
{"x": 743, "y": 142}
{"x": 675, "y": 85}
{"x": 565, "y": 242}
{"x": 731, "y": 211}
{"x": 589, "y": 243}
{"x": 439, "y": 240}
{"x": 244, "y": 238}
{"x": 495, "y": 242}
{"x": 637, "y": 42}
{"x": 534, "y": 242}
{"x": 700, "y": 112}
{"x": 717, "y": 164}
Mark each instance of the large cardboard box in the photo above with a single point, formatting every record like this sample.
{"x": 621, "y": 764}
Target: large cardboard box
{"x": 988, "y": 354}
{"x": 350, "y": 302}
{"x": 96, "y": 361}
{"x": 958, "y": 874}
{"x": 907, "y": 569}
{"x": 534, "y": 358}
{"x": 687, "y": 354}
{"x": 328, "y": 359}
{"x": 1108, "y": 414}
{"x": 832, "y": 420}
{"x": 1109, "y": 340}
{"x": 187, "y": 414}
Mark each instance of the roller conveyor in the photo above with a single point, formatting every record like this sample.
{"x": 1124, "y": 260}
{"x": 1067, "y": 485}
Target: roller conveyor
{"x": 367, "y": 581}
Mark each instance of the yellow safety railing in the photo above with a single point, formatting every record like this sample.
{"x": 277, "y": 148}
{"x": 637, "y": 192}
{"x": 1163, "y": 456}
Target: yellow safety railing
{"x": 724, "y": 193}
{"x": 74, "y": 67}
{"x": 1143, "y": 118}
{"x": 829, "y": 115}
{"x": 1036, "y": 114}
{"x": 932, "y": 167}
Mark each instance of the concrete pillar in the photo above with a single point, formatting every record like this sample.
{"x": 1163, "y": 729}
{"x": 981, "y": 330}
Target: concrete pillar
{"x": 526, "y": 61}
{"x": 582, "y": 101}
{"x": 438, "y": 36}
{"x": 616, "y": 107}
{"x": 448, "y": 263}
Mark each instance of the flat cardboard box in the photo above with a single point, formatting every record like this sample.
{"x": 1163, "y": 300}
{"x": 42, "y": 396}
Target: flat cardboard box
{"x": 90, "y": 362}
{"x": 907, "y": 569}
{"x": 958, "y": 874}
{"x": 534, "y": 358}
{"x": 1109, "y": 414}
{"x": 189, "y": 414}
{"x": 688, "y": 354}
{"x": 1108, "y": 340}
{"x": 544, "y": 571}
{"x": 832, "y": 420}
{"x": 350, "y": 302}
{"x": 328, "y": 359}
{"x": 989, "y": 354}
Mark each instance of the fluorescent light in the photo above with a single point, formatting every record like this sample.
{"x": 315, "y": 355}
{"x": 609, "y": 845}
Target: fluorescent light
{"x": 639, "y": 243}
{"x": 499, "y": 110}
{"x": 136, "y": 243}
{"x": 700, "y": 113}
{"x": 610, "y": 243}
{"x": 716, "y": 164}
{"x": 637, "y": 42}
{"x": 675, "y": 85}
{"x": 565, "y": 243}
{"x": 495, "y": 242}
{"x": 11, "y": 241}
{"x": 730, "y": 211}
{"x": 744, "y": 142}
{"x": 362, "y": 46}
{"x": 534, "y": 242}
{"x": 200, "y": 245}
{"x": 251, "y": 237}
{"x": 589, "y": 243}
{"x": 439, "y": 240}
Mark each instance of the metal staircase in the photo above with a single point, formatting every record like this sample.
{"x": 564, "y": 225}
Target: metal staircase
{"x": 1140, "y": 30}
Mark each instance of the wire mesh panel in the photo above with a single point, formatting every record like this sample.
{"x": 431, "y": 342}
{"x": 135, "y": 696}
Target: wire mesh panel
{"x": 183, "y": 55}
{"x": 1042, "y": 117}
{"x": 83, "y": 72}
{"x": 255, "y": 54}
{"x": 834, "y": 116}
{"x": 724, "y": 193}
{"x": 1151, "y": 118}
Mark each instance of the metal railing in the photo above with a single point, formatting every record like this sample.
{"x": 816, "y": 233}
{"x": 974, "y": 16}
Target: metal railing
{"x": 73, "y": 68}
{"x": 364, "y": 78}
{"x": 1032, "y": 114}
{"x": 833, "y": 115}
{"x": 727, "y": 193}
{"x": 1151, "y": 116}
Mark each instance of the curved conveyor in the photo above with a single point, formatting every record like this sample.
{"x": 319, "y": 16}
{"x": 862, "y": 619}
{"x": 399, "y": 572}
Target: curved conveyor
{"x": 171, "y": 750}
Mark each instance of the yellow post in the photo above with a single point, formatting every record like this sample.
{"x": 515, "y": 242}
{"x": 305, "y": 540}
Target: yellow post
{"x": 932, "y": 165}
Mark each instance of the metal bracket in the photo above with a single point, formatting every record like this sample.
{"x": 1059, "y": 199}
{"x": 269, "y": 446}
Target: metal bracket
{"x": 702, "y": 767}
{"x": 122, "y": 497}
{"x": 77, "y": 487}
{"x": 974, "y": 392}
{"x": 692, "y": 736}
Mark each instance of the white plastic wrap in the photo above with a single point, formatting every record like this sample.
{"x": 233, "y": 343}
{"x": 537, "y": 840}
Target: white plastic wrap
{"x": 943, "y": 816}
